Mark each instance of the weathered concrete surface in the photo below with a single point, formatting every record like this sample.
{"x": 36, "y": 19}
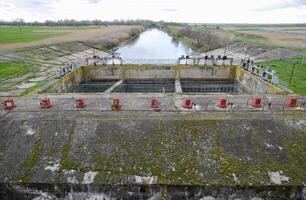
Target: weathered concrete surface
{"x": 145, "y": 147}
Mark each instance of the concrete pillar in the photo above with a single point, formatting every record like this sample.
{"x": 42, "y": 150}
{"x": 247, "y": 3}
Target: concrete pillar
{"x": 109, "y": 90}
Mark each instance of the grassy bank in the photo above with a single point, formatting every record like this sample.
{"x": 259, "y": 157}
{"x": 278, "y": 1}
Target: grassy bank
{"x": 13, "y": 69}
{"x": 284, "y": 69}
{"x": 117, "y": 38}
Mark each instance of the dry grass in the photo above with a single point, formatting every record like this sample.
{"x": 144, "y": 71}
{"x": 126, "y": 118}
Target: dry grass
{"x": 293, "y": 38}
{"x": 74, "y": 35}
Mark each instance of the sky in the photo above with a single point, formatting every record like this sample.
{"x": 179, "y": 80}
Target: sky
{"x": 193, "y": 11}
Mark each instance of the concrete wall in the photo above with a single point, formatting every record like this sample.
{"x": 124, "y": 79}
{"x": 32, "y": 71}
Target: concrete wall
{"x": 156, "y": 72}
{"x": 74, "y": 77}
{"x": 149, "y": 74}
{"x": 94, "y": 73}
{"x": 205, "y": 73}
{"x": 101, "y": 73}
{"x": 254, "y": 84}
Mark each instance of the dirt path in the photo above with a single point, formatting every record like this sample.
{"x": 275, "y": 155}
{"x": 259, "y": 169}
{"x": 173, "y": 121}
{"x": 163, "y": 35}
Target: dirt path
{"x": 73, "y": 36}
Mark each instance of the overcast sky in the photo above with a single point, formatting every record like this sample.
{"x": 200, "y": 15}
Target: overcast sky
{"x": 203, "y": 11}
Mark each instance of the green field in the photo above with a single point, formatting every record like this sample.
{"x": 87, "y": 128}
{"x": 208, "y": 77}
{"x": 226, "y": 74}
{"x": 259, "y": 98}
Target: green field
{"x": 284, "y": 69}
{"x": 12, "y": 34}
{"x": 11, "y": 69}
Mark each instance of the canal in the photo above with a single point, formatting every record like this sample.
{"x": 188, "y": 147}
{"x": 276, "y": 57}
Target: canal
{"x": 153, "y": 47}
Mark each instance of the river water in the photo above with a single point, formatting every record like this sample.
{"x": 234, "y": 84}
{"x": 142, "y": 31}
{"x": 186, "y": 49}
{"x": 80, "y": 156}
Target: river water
{"x": 153, "y": 47}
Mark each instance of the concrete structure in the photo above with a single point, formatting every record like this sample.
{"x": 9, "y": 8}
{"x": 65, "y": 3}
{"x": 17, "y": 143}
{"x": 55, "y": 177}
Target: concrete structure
{"x": 251, "y": 83}
{"x": 237, "y": 152}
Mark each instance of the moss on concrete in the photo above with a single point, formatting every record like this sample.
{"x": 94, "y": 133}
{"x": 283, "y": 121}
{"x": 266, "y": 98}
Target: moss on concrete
{"x": 23, "y": 179}
{"x": 32, "y": 159}
{"x": 195, "y": 149}
{"x": 65, "y": 163}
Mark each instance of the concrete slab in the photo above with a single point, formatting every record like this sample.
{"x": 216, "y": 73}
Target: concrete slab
{"x": 26, "y": 85}
{"x": 178, "y": 87}
{"x": 38, "y": 79}
{"x": 12, "y": 93}
{"x": 167, "y": 102}
{"x": 114, "y": 86}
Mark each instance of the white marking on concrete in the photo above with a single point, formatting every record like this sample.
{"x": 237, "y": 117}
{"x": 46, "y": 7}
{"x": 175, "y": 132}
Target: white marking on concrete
{"x": 53, "y": 168}
{"x": 43, "y": 196}
{"x": 178, "y": 87}
{"x": 89, "y": 177}
{"x": 69, "y": 172}
{"x": 72, "y": 180}
{"x": 98, "y": 197}
{"x": 30, "y": 132}
{"x": 269, "y": 145}
{"x": 114, "y": 86}
{"x": 146, "y": 179}
{"x": 208, "y": 198}
{"x": 278, "y": 177}
{"x": 236, "y": 178}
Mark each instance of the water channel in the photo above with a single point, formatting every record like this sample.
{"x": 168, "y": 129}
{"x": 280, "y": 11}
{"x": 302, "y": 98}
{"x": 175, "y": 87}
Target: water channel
{"x": 153, "y": 47}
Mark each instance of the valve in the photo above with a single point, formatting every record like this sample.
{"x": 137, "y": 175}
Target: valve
{"x": 80, "y": 102}
{"x": 116, "y": 104}
{"x": 256, "y": 102}
{"x": 8, "y": 103}
{"x": 45, "y": 103}
{"x": 222, "y": 103}
{"x": 292, "y": 102}
{"x": 187, "y": 103}
{"x": 154, "y": 103}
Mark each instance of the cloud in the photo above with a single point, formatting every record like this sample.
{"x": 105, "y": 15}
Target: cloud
{"x": 170, "y": 10}
{"x": 282, "y": 4}
{"x": 94, "y": 1}
{"x": 234, "y": 11}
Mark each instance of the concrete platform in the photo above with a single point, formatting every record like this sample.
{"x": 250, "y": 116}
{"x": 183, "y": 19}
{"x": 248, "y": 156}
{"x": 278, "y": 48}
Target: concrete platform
{"x": 167, "y": 102}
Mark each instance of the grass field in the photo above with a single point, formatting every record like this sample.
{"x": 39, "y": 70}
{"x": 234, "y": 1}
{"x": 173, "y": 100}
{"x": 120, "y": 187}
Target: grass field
{"x": 11, "y": 38}
{"x": 284, "y": 69}
{"x": 28, "y": 34}
{"x": 11, "y": 69}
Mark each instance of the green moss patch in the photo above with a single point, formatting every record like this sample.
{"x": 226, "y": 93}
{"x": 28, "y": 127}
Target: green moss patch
{"x": 32, "y": 159}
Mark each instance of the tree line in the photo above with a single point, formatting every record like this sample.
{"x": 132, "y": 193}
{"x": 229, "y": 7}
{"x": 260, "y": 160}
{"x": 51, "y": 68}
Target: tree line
{"x": 202, "y": 39}
{"x": 96, "y": 22}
